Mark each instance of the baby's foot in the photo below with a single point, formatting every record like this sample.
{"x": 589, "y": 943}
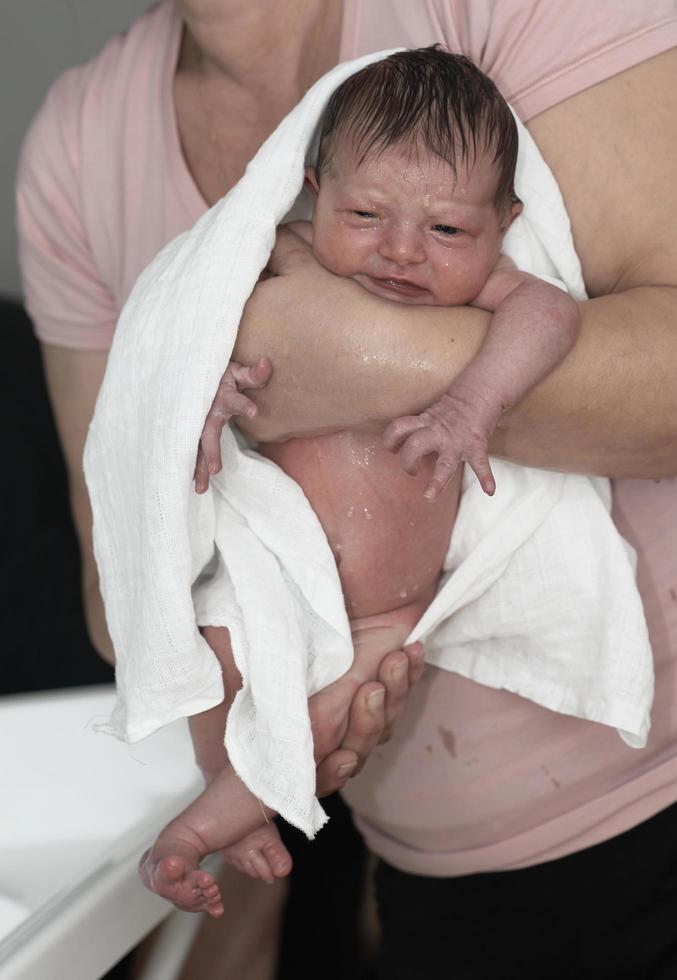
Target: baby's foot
{"x": 171, "y": 869}
{"x": 260, "y": 855}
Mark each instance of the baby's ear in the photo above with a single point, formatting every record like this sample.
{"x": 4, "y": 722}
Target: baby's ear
{"x": 311, "y": 180}
{"x": 516, "y": 207}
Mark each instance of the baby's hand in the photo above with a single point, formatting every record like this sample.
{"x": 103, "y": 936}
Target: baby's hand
{"x": 450, "y": 428}
{"x": 228, "y": 401}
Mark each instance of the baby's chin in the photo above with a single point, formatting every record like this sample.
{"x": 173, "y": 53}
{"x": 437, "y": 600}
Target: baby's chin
{"x": 397, "y": 291}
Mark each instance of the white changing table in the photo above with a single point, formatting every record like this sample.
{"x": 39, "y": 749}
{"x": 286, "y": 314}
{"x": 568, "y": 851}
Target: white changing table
{"x": 77, "y": 809}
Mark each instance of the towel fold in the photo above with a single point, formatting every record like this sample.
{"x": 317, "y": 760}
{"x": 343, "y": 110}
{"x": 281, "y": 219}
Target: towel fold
{"x": 538, "y": 592}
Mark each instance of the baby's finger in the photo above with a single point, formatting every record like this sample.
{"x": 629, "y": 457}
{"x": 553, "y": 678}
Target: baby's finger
{"x": 210, "y": 440}
{"x": 418, "y": 445}
{"x": 399, "y": 430}
{"x": 482, "y": 469}
{"x": 445, "y": 467}
{"x": 201, "y": 475}
{"x": 237, "y": 404}
{"x": 255, "y": 376}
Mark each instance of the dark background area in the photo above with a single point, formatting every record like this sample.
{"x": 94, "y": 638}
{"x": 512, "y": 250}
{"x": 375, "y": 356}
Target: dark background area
{"x": 43, "y": 627}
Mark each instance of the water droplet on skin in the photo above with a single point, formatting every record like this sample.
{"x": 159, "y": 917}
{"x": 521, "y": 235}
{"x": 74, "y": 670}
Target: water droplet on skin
{"x": 368, "y": 514}
{"x": 350, "y": 512}
{"x": 403, "y": 593}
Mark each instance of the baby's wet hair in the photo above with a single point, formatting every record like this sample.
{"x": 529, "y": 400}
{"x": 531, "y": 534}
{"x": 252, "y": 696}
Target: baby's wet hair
{"x": 426, "y": 97}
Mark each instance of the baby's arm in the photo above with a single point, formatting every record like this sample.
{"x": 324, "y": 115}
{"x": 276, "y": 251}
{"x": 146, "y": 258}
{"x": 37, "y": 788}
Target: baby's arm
{"x": 534, "y": 326}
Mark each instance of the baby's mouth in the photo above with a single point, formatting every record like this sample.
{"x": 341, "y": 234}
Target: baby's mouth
{"x": 398, "y": 285}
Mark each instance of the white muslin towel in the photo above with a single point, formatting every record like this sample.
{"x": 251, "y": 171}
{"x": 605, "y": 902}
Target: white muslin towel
{"x": 538, "y": 593}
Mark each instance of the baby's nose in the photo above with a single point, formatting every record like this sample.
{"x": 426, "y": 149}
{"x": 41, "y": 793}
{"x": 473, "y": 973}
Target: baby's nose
{"x": 402, "y": 245}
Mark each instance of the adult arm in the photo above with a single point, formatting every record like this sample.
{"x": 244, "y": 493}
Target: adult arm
{"x": 73, "y": 381}
{"x": 611, "y": 406}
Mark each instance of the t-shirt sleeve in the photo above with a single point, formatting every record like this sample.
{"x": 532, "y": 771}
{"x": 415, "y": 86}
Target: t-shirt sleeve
{"x": 65, "y": 295}
{"x": 540, "y": 53}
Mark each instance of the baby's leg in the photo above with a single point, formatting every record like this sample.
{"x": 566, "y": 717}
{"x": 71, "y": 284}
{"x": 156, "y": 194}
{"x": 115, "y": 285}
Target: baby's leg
{"x": 224, "y": 813}
{"x": 207, "y": 728}
{"x": 171, "y": 867}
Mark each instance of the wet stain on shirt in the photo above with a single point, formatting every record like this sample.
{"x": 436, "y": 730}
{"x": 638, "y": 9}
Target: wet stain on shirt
{"x": 448, "y": 740}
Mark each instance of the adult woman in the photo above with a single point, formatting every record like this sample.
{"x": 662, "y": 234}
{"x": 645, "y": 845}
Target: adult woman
{"x": 595, "y": 114}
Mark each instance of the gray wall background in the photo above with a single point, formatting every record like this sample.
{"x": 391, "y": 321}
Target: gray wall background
{"x": 38, "y": 39}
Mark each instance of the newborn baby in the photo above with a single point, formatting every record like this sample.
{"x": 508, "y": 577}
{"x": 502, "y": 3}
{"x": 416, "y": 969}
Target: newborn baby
{"x": 413, "y": 194}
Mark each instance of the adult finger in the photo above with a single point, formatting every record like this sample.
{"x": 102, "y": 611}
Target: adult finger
{"x": 393, "y": 673}
{"x": 416, "y": 655}
{"x": 366, "y": 722}
{"x": 335, "y": 770}
{"x": 399, "y": 672}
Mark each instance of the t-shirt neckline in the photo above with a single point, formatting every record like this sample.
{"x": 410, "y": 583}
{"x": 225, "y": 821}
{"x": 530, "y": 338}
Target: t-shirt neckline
{"x": 183, "y": 180}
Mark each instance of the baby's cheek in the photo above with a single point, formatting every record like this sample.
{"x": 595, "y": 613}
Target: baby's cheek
{"x": 332, "y": 253}
{"x": 464, "y": 280}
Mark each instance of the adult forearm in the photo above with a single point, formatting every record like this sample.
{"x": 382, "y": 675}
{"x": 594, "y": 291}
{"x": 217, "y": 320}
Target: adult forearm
{"x": 73, "y": 381}
{"x": 344, "y": 359}
{"x": 355, "y": 361}
{"x": 611, "y": 407}
{"x": 95, "y": 616}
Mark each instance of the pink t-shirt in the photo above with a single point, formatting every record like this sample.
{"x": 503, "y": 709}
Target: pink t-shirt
{"x": 474, "y": 779}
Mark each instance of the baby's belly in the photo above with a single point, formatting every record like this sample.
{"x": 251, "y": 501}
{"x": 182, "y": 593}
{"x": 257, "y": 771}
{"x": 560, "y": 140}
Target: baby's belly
{"x": 388, "y": 541}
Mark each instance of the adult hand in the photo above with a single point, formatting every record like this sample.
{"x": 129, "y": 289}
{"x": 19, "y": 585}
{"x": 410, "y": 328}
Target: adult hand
{"x": 374, "y": 711}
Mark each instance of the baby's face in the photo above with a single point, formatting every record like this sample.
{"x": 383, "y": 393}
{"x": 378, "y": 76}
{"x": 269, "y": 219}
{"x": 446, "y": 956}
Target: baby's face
{"x": 405, "y": 228}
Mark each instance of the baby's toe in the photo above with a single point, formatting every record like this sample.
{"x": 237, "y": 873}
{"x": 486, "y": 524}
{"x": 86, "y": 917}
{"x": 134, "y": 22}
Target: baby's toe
{"x": 204, "y": 880}
{"x": 211, "y": 893}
